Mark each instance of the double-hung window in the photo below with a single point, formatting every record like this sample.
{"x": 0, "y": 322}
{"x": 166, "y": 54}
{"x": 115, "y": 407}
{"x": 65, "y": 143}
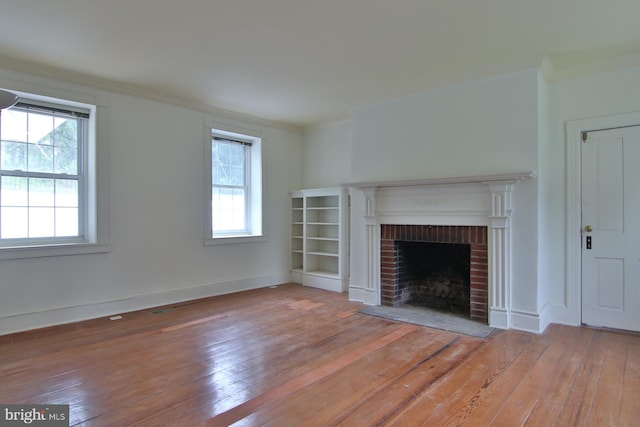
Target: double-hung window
{"x": 47, "y": 192}
{"x": 236, "y": 186}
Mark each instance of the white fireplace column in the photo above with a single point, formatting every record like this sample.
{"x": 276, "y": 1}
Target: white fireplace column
{"x": 500, "y": 254}
{"x": 372, "y": 291}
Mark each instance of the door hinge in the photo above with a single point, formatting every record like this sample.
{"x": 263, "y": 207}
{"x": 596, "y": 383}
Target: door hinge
{"x": 583, "y": 135}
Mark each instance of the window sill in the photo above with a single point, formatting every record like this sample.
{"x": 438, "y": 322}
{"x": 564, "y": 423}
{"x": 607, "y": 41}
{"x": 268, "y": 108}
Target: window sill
{"x": 20, "y": 252}
{"x": 233, "y": 239}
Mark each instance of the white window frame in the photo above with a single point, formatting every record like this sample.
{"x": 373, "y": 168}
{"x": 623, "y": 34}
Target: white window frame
{"x": 92, "y": 213}
{"x": 254, "y": 182}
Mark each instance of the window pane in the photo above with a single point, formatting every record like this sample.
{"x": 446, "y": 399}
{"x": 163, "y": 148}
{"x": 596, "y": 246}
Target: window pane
{"x": 228, "y": 164}
{"x": 65, "y": 133}
{"x": 228, "y": 209}
{"x": 40, "y": 158}
{"x": 41, "y": 222}
{"x": 15, "y": 223}
{"x": 41, "y": 192}
{"x": 40, "y": 127}
{"x": 14, "y": 192}
{"x": 66, "y": 193}
{"x": 14, "y": 125}
{"x": 13, "y": 156}
{"x": 66, "y": 222}
{"x": 66, "y": 160}
{"x": 237, "y": 175}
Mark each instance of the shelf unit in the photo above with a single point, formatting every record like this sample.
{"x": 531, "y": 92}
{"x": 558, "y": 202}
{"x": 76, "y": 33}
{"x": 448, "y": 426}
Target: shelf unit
{"x": 319, "y": 237}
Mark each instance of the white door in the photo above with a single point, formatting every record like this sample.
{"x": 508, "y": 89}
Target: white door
{"x": 611, "y": 228}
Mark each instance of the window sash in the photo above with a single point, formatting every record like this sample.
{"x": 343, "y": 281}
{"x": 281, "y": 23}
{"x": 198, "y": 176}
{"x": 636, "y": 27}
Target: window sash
{"x": 57, "y": 236}
{"x": 219, "y": 224}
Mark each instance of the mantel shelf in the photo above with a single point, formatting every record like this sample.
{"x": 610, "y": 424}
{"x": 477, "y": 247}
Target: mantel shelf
{"x": 474, "y": 179}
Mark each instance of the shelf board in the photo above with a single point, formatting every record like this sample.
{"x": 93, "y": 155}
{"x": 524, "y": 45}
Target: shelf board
{"x": 296, "y": 237}
{"x": 297, "y": 251}
{"x": 329, "y": 254}
{"x": 322, "y": 208}
{"x": 322, "y": 223}
{"x": 323, "y": 273}
{"x": 327, "y": 239}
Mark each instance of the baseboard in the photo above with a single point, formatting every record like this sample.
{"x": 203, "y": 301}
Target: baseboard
{"x": 363, "y": 295}
{"x": 498, "y": 318}
{"x": 333, "y": 284}
{"x": 563, "y": 315}
{"x": 62, "y": 315}
{"x": 531, "y": 322}
{"x": 356, "y": 294}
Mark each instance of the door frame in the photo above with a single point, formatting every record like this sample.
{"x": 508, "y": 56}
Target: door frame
{"x": 573, "y": 221}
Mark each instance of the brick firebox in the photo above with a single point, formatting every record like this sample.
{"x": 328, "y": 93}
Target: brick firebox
{"x": 475, "y": 236}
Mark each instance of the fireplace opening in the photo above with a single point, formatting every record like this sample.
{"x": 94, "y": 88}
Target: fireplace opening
{"x": 436, "y": 275}
{"x": 440, "y": 267}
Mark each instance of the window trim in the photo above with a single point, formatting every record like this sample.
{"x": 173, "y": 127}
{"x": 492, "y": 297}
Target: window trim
{"x": 255, "y": 212}
{"x": 95, "y": 233}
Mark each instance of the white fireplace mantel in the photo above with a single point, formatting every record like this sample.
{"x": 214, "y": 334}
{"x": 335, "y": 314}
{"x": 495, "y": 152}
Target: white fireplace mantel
{"x": 472, "y": 179}
{"x": 469, "y": 200}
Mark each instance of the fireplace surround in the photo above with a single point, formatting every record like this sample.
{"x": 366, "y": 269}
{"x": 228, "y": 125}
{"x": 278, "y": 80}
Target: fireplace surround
{"x": 473, "y": 201}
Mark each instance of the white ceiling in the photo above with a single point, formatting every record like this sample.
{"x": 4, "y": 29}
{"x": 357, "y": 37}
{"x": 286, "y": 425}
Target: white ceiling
{"x": 304, "y": 62}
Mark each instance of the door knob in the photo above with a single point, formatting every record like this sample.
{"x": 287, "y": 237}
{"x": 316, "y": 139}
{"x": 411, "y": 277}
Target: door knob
{"x": 588, "y": 228}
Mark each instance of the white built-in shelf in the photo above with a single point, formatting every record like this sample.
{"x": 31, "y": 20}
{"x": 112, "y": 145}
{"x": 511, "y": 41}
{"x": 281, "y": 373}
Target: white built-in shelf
{"x": 318, "y": 222}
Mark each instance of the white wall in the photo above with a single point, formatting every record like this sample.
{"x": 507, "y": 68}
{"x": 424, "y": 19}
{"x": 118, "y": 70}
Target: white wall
{"x": 156, "y": 213}
{"x": 327, "y": 155}
{"x": 606, "y": 93}
{"x": 488, "y": 126}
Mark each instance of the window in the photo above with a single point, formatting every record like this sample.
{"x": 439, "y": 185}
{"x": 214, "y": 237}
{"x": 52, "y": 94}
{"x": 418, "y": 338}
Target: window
{"x": 47, "y": 177}
{"x": 235, "y": 191}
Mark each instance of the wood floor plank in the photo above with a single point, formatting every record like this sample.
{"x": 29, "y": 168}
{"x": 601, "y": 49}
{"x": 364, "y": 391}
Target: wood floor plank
{"x": 385, "y": 404}
{"x": 360, "y": 382}
{"x": 293, "y": 355}
{"x": 553, "y": 397}
{"x": 227, "y": 388}
{"x": 630, "y": 404}
{"x": 584, "y": 387}
{"x": 519, "y": 405}
{"x": 606, "y": 403}
{"x": 284, "y": 390}
{"x": 486, "y": 402}
{"x": 451, "y": 400}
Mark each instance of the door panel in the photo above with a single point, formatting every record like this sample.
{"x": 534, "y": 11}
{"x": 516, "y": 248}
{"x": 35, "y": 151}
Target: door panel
{"x": 611, "y": 206}
{"x": 610, "y": 280}
{"x": 610, "y": 180}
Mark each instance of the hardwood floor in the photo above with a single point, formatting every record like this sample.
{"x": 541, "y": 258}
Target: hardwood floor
{"x": 296, "y": 356}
